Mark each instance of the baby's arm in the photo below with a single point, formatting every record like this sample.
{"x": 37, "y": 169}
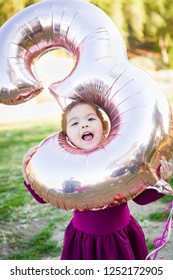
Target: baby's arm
{"x": 157, "y": 191}
{"x": 148, "y": 196}
{"x": 33, "y": 193}
{"x": 26, "y": 158}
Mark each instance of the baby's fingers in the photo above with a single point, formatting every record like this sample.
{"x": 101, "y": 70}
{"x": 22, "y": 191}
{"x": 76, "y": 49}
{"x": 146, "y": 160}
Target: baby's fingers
{"x": 166, "y": 169}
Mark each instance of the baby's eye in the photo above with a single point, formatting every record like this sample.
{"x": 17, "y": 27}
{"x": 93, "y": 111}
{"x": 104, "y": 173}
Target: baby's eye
{"x": 91, "y": 119}
{"x": 75, "y": 123}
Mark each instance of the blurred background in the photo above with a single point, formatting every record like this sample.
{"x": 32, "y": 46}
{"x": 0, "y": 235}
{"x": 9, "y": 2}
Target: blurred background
{"x": 146, "y": 27}
{"x": 32, "y": 231}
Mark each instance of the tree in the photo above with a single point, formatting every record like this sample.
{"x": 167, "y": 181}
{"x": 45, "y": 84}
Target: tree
{"x": 10, "y": 7}
{"x": 137, "y": 20}
{"x": 159, "y": 25}
{"x": 135, "y": 17}
{"x": 128, "y": 15}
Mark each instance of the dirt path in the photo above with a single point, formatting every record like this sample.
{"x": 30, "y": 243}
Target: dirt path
{"x": 152, "y": 229}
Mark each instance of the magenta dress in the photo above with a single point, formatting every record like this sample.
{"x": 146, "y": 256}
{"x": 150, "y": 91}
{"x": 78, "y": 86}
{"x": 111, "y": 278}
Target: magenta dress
{"x": 109, "y": 234}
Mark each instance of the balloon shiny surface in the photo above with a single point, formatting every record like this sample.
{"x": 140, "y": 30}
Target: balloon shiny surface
{"x": 46, "y": 25}
{"x": 140, "y": 115}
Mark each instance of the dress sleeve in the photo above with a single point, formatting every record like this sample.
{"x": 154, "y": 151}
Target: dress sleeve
{"x": 148, "y": 196}
{"x": 32, "y": 192}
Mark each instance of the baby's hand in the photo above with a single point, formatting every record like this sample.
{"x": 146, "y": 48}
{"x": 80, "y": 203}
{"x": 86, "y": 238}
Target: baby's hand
{"x": 166, "y": 169}
{"x": 165, "y": 173}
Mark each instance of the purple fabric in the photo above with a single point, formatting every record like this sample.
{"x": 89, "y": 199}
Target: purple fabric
{"x": 147, "y": 197}
{"x": 33, "y": 193}
{"x": 103, "y": 220}
{"x": 109, "y": 234}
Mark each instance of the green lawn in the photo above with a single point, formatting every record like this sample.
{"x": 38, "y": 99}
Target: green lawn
{"x": 18, "y": 210}
{"x": 14, "y": 143}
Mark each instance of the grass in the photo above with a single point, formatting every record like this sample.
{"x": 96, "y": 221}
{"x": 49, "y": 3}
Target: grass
{"x": 14, "y": 144}
{"x": 40, "y": 244}
{"x": 18, "y": 210}
{"x": 150, "y": 245}
{"x": 158, "y": 215}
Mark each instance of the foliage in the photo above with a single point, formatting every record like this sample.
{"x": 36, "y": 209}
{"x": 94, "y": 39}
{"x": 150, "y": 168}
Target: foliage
{"x": 159, "y": 25}
{"x": 10, "y": 7}
{"x": 134, "y": 20}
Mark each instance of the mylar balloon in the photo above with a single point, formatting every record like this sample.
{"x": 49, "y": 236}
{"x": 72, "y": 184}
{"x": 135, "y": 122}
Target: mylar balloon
{"x": 139, "y": 112}
{"x": 50, "y": 24}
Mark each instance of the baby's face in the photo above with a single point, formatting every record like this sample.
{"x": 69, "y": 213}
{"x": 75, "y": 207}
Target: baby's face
{"x": 84, "y": 128}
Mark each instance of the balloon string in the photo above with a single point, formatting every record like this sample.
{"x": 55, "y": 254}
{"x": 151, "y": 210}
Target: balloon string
{"x": 163, "y": 240}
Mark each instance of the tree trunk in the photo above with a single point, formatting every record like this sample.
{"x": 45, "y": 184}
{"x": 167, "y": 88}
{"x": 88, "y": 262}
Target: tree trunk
{"x": 163, "y": 44}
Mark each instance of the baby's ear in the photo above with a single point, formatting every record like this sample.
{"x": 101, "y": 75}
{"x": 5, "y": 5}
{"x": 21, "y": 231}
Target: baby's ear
{"x": 105, "y": 127}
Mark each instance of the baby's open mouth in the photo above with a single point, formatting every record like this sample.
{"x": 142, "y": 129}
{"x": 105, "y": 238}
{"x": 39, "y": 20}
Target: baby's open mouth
{"x": 87, "y": 136}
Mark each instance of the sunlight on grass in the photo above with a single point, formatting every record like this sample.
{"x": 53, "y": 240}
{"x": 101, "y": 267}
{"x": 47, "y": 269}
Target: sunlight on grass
{"x": 14, "y": 143}
{"x": 38, "y": 246}
{"x": 18, "y": 210}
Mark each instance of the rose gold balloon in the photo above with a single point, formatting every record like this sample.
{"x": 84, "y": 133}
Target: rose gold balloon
{"x": 50, "y": 24}
{"x": 125, "y": 164}
{"x": 139, "y": 112}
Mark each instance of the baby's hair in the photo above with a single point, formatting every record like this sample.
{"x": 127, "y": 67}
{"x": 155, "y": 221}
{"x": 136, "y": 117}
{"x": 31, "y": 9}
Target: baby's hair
{"x": 81, "y": 102}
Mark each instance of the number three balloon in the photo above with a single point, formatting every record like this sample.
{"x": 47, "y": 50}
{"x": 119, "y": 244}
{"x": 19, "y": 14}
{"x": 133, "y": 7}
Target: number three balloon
{"x": 139, "y": 112}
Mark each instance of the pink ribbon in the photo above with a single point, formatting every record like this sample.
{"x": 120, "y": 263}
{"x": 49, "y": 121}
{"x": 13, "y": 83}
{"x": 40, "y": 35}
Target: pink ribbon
{"x": 161, "y": 242}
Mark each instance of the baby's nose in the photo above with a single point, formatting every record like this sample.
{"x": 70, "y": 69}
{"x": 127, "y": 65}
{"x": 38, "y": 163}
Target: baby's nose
{"x": 84, "y": 125}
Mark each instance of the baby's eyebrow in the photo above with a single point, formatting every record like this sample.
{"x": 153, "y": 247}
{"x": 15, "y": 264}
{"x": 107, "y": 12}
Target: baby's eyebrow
{"x": 91, "y": 114}
{"x": 73, "y": 119}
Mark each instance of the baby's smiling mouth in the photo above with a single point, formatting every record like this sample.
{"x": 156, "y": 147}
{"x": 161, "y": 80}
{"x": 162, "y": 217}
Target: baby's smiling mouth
{"x": 87, "y": 136}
